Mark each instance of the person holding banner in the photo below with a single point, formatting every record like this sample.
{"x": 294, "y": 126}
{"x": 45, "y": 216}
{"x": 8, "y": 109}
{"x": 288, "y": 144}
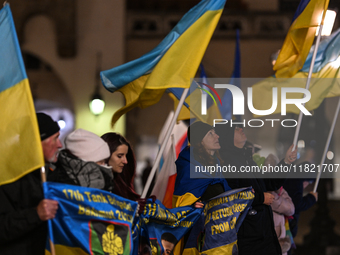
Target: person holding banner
{"x": 257, "y": 234}
{"x": 24, "y": 211}
{"x": 202, "y": 152}
{"x": 123, "y": 163}
{"x": 82, "y": 162}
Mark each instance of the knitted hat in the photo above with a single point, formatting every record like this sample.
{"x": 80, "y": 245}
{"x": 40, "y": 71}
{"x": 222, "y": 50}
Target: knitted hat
{"x": 197, "y": 131}
{"x": 47, "y": 126}
{"x": 87, "y": 145}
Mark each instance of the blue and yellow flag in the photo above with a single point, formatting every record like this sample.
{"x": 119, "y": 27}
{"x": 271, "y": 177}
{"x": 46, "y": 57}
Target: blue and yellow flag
{"x": 171, "y": 64}
{"x": 223, "y": 215}
{"x": 300, "y": 37}
{"x": 323, "y": 84}
{"x": 192, "y": 103}
{"x": 328, "y": 52}
{"x": 20, "y": 146}
{"x": 89, "y": 221}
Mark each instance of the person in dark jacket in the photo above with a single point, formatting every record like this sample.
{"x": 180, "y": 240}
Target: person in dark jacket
{"x": 256, "y": 235}
{"x": 24, "y": 211}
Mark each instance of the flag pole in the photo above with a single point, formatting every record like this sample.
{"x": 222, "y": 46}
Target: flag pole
{"x": 327, "y": 146}
{"x": 167, "y": 136}
{"x": 173, "y": 146}
{"x": 297, "y": 130}
{"x": 43, "y": 179}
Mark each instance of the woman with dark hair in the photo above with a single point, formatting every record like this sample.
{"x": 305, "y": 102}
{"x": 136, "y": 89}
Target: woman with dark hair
{"x": 194, "y": 182}
{"x": 123, "y": 163}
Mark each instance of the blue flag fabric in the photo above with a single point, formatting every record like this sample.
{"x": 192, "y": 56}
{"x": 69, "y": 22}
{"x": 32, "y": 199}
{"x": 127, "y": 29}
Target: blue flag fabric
{"x": 328, "y": 51}
{"x": 222, "y": 217}
{"x": 89, "y": 221}
{"x": 164, "y": 227}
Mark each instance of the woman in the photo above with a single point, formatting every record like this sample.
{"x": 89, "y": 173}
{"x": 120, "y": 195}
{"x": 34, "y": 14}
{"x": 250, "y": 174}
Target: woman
{"x": 256, "y": 234}
{"x": 203, "y": 152}
{"x": 123, "y": 163}
{"x": 188, "y": 190}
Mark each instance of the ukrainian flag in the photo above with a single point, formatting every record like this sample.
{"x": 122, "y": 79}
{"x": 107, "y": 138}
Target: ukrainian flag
{"x": 171, "y": 64}
{"x": 324, "y": 82}
{"x": 20, "y": 146}
{"x": 300, "y": 37}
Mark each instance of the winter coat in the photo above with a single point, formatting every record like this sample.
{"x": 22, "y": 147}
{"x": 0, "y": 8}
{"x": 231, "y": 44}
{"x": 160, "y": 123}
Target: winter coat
{"x": 294, "y": 187}
{"x": 22, "y": 231}
{"x": 282, "y": 206}
{"x": 72, "y": 170}
{"x": 187, "y": 189}
{"x": 256, "y": 235}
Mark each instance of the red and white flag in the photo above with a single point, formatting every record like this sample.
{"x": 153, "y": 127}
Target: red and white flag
{"x": 165, "y": 182}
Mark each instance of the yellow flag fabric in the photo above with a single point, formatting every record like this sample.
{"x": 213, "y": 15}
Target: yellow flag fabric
{"x": 20, "y": 146}
{"x": 299, "y": 38}
{"x": 194, "y": 110}
{"x": 323, "y": 84}
{"x": 171, "y": 64}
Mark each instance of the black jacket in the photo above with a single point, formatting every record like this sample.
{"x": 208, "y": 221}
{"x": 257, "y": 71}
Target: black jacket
{"x": 256, "y": 235}
{"x": 21, "y": 230}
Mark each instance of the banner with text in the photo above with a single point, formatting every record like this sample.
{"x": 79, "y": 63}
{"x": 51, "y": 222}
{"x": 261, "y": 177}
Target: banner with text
{"x": 89, "y": 221}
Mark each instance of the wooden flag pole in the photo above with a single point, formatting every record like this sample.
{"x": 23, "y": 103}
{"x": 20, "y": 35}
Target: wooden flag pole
{"x": 327, "y": 146}
{"x": 297, "y": 130}
{"x": 167, "y": 136}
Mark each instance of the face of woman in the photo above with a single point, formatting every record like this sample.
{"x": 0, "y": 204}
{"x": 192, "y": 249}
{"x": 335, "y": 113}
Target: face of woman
{"x": 210, "y": 142}
{"x": 118, "y": 158}
{"x": 239, "y": 137}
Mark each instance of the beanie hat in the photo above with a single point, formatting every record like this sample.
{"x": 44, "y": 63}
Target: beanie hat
{"x": 47, "y": 126}
{"x": 197, "y": 131}
{"x": 87, "y": 146}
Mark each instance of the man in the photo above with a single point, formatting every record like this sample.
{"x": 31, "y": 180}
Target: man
{"x": 24, "y": 211}
{"x": 256, "y": 235}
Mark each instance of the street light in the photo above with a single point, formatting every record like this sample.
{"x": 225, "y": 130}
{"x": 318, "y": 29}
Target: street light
{"x": 97, "y": 103}
{"x": 328, "y": 23}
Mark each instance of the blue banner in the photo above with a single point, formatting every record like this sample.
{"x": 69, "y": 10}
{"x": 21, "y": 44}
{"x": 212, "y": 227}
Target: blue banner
{"x": 217, "y": 231}
{"x": 164, "y": 227}
{"x": 90, "y": 221}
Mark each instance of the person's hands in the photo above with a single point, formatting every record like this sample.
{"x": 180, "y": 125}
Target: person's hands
{"x": 291, "y": 155}
{"x": 47, "y": 209}
{"x": 142, "y": 202}
{"x": 153, "y": 197}
{"x": 141, "y": 205}
{"x": 268, "y": 198}
{"x": 315, "y": 194}
{"x": 199, "y": 205}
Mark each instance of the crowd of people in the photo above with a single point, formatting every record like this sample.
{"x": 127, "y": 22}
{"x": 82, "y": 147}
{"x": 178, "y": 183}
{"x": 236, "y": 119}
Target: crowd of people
{"x": 108, "y": 163}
